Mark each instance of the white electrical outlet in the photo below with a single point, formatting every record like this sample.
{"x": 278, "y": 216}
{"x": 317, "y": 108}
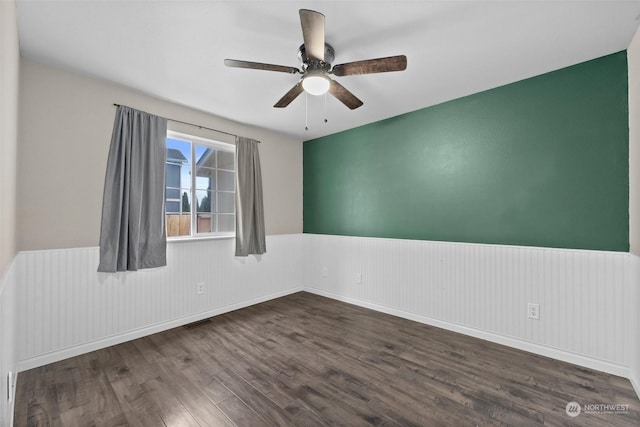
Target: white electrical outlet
{"x": 533, "y": 311}
{"x": 325, "y": 272}
{"x": 359, "y": 278}
{"x": 200, "y": 288}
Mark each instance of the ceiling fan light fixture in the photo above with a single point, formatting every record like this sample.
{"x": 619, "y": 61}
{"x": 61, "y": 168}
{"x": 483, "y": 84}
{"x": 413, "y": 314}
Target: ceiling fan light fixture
{"x": 316, "y": 84}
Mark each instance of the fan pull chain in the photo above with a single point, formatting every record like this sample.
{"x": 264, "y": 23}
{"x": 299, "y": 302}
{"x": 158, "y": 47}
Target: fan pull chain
{"x": 306, "y": 111}
{"x": 325, "y": 108}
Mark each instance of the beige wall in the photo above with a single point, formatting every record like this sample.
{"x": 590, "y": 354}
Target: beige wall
{"x": 65, "y": 128}
{"x": 9, "y": 66}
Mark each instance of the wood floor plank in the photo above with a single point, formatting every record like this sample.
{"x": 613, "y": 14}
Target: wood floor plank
{"x": 305, "y": 360}
{"x": 171, "y": 410}
{"x": 38, "y": 404}
{"x": 204, "y": 379}
{"x": 241, "y": 414}
{"x": 139, "y": 409}
{"x": 203, "y": 410}
{"x": 262, "y": 405}
{"x": 102, "y": 403}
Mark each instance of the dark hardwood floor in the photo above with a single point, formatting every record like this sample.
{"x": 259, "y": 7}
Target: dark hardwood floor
{"x": 304, "y": 360}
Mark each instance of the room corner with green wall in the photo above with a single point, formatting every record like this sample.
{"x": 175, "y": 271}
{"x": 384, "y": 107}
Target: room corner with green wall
{"x": 540, "y": 162}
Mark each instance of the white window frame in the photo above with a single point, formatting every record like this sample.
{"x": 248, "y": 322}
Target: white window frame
{"x": 224, "y": 146}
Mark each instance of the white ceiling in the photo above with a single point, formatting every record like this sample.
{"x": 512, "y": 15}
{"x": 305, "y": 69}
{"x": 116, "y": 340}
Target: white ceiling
{"x": 175, "y": 50}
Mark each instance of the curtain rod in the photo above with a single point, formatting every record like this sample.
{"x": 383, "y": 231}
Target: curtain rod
{"x": 187, "y": 123}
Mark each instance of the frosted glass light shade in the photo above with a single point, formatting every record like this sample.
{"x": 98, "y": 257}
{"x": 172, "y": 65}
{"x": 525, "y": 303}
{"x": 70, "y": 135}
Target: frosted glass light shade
{"x": 316, "y": 85}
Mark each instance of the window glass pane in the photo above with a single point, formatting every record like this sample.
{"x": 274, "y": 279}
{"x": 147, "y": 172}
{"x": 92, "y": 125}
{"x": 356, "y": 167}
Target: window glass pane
{"x": 205, "y": 156}
{"x": 204, "y": 223}
{"x": 171, "y": 193}
{"x": 178, "y": 163}
{"x": 205, "y": 203}
{"x": 185, "y": 176}
{"x": 226, "y": 181}
{"x": 178, "y": 225}
{"x": 204, "y": 217}
{"x": 172, "y": 206}
{"x": 178, "y": 188}
{"x": 226, "y": 202}
{"x": 172, "y": 175}
{"x": 185, "y": 200}
{"x": 225, "y": 159}
{"x": 226, "y": 223}
{"x": 205, "y": 178}
{"x": 178, "y": 151}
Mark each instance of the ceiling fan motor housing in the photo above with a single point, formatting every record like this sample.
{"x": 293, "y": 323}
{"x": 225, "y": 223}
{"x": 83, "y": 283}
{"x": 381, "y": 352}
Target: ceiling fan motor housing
{"x": 314, "y": 64}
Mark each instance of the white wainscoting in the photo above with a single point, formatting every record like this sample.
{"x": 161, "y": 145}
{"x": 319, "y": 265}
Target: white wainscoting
{"x": 586, "y": 298}
{"x": 66, "y": 308}
{"x": 634, "y": 375}
{"x": 8, "y": 354}
{"x": 483, "y": 290}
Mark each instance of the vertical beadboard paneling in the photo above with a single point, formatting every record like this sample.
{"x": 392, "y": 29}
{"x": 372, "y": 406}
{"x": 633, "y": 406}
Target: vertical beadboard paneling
{"x": 64, "y": 307}
{"x": 67, "y": 308}
{"x": 633, "y": 330}
{"x": 584, "y": 296}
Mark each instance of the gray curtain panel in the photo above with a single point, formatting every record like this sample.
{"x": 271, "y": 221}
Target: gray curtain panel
{"x": 250, "y": 237}
{"x": 132, "y": 232}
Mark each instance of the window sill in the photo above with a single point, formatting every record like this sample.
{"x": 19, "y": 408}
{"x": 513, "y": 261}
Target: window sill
{"x": 199, "y": 238}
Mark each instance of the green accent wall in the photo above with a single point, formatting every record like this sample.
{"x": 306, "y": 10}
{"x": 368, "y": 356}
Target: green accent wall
{"x": 539, "y": 162}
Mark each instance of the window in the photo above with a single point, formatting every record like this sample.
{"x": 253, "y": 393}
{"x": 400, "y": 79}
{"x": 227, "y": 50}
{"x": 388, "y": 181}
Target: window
{"x": 200, "y": 187}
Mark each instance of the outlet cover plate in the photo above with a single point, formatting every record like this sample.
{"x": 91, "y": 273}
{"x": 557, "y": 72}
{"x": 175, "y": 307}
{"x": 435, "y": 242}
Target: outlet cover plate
{"x": 533, "y": 311}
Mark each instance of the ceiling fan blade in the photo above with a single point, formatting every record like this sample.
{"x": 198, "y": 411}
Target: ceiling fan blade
{"x": 313, "y": 33}
{"x": 370, "y": 66}
{"x": 344, "y": 96}
{"x": 289, "y": 96}
{"x": 260, "y": 66}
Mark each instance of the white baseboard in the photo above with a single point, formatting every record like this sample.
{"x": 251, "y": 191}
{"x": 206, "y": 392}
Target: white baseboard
{"x": 577, "y": 359}
{"x": 66, "y": 353}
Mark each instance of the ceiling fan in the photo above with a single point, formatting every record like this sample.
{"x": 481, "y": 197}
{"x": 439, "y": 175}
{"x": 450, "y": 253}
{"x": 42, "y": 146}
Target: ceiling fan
{"x": 316, "y": 57}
